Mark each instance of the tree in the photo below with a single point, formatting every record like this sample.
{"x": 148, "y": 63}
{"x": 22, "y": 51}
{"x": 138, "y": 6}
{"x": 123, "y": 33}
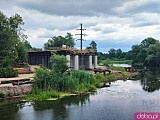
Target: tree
{"x": 153, "y": 55}
{"x": 21, "y": 53}
{"x": 27, "y": 45}
{"x": 148, "y": 41}
{"x": 93, "y": 45}
{"x": 69, "y": 40}
{"x": 139, "y": 52}
{"x": 118, "y": 53}
{"x": 112, "y": 53}
{"x": 10, "y": 44}
{"x": 59, "y": 63}
{"x": 9, "y": 38}
{"x": 102, "y": 56}
{"x": 58, "y": 41}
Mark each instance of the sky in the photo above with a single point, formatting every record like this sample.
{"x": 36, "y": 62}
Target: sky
{"x": 117, "y": 24}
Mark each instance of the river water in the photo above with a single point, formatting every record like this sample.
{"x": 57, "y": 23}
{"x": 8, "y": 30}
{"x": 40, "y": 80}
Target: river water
{"x": 118, "y": 102}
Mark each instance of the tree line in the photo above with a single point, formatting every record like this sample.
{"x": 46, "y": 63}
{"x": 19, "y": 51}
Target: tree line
{"x": 147, "y": 53}
{"x": 14, "y": 46}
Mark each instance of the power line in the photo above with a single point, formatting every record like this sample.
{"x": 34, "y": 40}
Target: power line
{"x": 81, "y": 35}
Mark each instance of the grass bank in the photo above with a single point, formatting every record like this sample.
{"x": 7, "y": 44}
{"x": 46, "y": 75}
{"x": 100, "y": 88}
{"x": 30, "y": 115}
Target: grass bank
{"x": 107, "y": 62}
{"x": 49, "y": 85}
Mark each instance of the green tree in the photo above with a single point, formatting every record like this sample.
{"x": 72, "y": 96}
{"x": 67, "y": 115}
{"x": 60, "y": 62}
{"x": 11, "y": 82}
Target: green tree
{"x": 59, "y": 63}
{"x": 112, "y": 53}
{"x": 58, "y": 41}
{"x": 21, "y": 53}
{"x": 102, "y": 56}
{"x": 9, "y": 38}
{"x": 69, "y": 40}
{"x": 93, "y": 45}
{"x": 153, "y": 55}
{"x": 139, "y": 52}
{"x": 27, "y": 45}
{"x": 118, "y": 53}
{"x": 148, "y": 41}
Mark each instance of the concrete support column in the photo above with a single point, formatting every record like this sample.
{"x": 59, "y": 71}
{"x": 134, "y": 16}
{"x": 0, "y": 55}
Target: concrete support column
{"x": 76, "y": 62}
{"x": 69, "y": 60}
{"x": 90, "y": 62}
{"x": 95, "y": 61}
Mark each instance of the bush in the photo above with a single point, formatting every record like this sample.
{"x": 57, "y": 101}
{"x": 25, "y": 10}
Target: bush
{"x": 83, "y": 76}
{"x": 100, "y": 76}
{"x": 69, "y": 83}
{"x": 57, "y": 79}
{"x": 125, "y": 74}
{"x": 8, "y": 72}
{"x": 42, "y": 95}
{"x": 117, "y": 68}
{"x": 111, "y": 77}
{"x": 84, "y": 87}
{"x": 2, "y": 94}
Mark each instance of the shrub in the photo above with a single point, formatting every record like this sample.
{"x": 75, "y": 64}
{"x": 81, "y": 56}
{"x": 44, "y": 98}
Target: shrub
{"x": 83, "y": 76}
{"x": 99, "y": 76}
{"x": 124, "y": 74}
{"x": 55, "y": 79}
{"x": 2, "y": 94}
{"x": 117, "y": 68}
{"x": 69, "y": 83}
{"x": 59, "y": 63}
{"x": 8, "y": 72}
{"x": 111, "y": 77}
{"x": 42, "y": 95}
{"x": 84, "y": 87}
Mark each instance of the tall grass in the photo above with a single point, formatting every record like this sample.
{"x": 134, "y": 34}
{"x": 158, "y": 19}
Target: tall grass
{"x": 117, "y": 68}
{"x": 42, "y": 95}
{"x": 46, "y": 80}
{"x": 57, "y": 80}
{"x": 115, "y": 61}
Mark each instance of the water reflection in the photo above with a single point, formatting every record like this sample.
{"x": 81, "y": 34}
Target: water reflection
{"x": 13, "y": 109}
{"x": 59, "y": 108}
{"x": 9, "y": 108}
{"x": 118, "y": 102}
{"x": 150, "y": 80}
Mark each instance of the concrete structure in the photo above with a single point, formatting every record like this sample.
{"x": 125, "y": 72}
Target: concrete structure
{"x": 78, "y": 59}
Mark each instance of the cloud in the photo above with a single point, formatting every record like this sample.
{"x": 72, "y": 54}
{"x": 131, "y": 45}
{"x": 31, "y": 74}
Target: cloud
{"x": 70, "y": 7}
{"x": 112, "y": 24}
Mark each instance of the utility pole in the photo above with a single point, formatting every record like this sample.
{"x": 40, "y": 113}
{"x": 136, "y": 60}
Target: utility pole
{"x": 81, "y": 39}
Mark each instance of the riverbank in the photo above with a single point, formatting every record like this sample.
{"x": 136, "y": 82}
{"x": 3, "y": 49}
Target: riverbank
{"x": 18, "y": 90}
{"x": 27, "y": 89}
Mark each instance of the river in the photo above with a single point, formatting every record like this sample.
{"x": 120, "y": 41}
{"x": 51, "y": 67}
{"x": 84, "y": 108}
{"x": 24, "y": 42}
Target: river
{"x": 118, "y": 102}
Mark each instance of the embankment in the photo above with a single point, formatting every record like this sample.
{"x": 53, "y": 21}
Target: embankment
{"x": 18, "y": 90}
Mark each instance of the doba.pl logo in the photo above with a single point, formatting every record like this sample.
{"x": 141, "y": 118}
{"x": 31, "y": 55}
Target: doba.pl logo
{"x": 147, "y": 116}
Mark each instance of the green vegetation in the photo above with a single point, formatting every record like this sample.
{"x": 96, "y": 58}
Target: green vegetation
{"x": 117, "y": 76}
{"x": 92, "y": 45}
{"x": 8, "y": 72}
{"x": 115, "y": 61}
{"x": 100, "y": 76}
{"x": 13, "y": 44}
{"x": 145, "y": 54}
{"x": 50, "y": 84}
{"x": 42, "y": 95}
{"x": 117, "y": 68}
{"x": 2, "y": 94}
{"x": 58, "y": 41}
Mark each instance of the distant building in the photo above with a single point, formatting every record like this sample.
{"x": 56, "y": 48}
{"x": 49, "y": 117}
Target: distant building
{"x": 78, "y": 59}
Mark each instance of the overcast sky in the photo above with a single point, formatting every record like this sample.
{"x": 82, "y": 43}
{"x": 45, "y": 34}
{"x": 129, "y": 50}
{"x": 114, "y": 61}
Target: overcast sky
{"x": 110, "y": 23}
